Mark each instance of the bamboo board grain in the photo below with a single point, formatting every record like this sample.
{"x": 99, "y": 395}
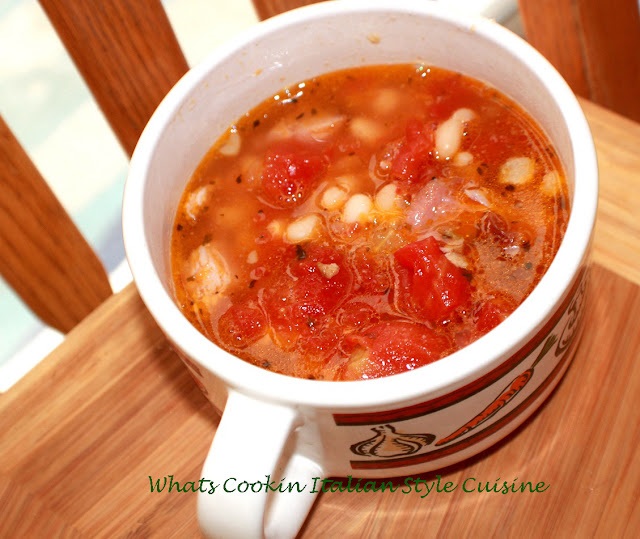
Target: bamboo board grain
{"x": 616, "y": 242}
{"x": 81, "y": 434}
{"x": 84, "y": 431}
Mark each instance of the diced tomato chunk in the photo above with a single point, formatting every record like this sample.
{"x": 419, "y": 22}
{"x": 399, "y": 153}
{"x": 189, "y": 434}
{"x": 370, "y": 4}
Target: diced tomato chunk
{"x": 371, "y": 273}
{"x": 291, "y": 173}
{"x": 315, "y": 290}
{"x": 241, "y": 325}
{"x": 395, "y": 347}
{"x": 303, "y": 294}
{"x": 414, "y": 154}
{"x": 431, "y": 288}
{"x": 492, "y": 312}
{"x": 320, "y": 342}
{"x": 356, "y": 315}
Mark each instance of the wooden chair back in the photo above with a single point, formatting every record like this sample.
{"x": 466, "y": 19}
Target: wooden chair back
{"x": 128, "y": 55}
{"x": 595, "y": 45}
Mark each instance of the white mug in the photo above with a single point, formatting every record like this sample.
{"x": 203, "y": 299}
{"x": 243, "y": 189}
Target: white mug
{"x": 280, "y": 433}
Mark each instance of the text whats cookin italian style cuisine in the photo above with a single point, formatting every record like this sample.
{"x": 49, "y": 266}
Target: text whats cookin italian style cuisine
{"x": 410, "y": 485}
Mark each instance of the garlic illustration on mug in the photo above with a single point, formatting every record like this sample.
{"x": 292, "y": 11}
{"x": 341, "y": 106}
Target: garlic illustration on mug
{"x": 389, "y": 443}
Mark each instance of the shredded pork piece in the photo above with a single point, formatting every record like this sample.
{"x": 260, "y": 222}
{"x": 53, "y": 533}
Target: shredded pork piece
{"x": 196, "y": 201}
{"x": 205, "y": 274}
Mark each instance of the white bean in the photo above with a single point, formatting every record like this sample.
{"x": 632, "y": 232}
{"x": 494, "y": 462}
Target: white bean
{"x": 357, "y": 209}
{"x": 252, "y": 257}
{"x": 449, "y": 133}
{"x": 387, "y": 100}
{"x": 303, "y": 229}
{"x": 517, "y": 171}
{"x": 366, "y": 129}
{"x": 333, "y": 198}
{"x": 385, "y": 198}
{"x": 463, "y": 115}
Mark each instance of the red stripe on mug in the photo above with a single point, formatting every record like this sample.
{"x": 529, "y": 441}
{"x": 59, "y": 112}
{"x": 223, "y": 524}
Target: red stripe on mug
{"x": 477, "y": 437}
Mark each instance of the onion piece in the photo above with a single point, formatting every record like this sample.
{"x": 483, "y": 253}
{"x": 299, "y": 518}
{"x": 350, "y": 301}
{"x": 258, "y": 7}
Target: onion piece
{"x": 435, "y": 202}
{"x": 478, "y": 195}
{"x": 232, "y": 145}
{"x": 276, "y": 228}
{"x": 511, "y": 250}
{"x": 451, "y": 243}
{"x": 462, "y": 159}
{"x": 550, "y": 183}
{"x": 517, "y": 171}
{"x": 457, "y": 259}
{"x": 328, "y": 270}
{"x": 321, "y": 128}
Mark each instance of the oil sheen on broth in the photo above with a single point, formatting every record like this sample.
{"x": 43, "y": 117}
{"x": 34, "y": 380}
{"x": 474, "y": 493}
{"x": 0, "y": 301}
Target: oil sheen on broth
{"x": 367, "y": 222}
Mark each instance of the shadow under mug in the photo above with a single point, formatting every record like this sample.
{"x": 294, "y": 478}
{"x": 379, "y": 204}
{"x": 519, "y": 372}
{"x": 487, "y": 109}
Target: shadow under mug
{"x": 281, "y": 430}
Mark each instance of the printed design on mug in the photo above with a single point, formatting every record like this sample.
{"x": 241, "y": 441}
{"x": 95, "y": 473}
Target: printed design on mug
{"x": 503, "y": 398}
{"x": 575, "y": 312}
{"x": 563, "y": 332}
{"x": 389, "y": 443}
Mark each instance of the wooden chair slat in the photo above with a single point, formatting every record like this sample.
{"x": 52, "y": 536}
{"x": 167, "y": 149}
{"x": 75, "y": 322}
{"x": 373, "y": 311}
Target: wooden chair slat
{"x": 269, "y": 8}
{"x": 593, "y": 44}
{"x": 45, "y": 258}
{"x": 129, "y": 56}
{"x": 126, "y": 52}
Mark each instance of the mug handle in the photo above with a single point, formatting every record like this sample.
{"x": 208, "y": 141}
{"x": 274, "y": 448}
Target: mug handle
{"x": 245, "y": 457}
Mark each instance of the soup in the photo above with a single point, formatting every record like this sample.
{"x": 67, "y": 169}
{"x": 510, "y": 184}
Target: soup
{"x": 367, "y": 222}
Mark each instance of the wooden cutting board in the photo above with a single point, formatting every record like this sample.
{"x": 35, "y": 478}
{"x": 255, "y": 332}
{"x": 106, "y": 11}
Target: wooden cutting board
{"x": 82, "y": 435}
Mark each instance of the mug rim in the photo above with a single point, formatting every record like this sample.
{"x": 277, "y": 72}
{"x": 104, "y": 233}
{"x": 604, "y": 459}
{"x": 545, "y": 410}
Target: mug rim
{"x": 434, "y": 379}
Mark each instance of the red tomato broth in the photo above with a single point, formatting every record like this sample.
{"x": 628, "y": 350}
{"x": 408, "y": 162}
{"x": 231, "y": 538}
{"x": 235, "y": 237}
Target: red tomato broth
{"x": 338, "y": 242}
